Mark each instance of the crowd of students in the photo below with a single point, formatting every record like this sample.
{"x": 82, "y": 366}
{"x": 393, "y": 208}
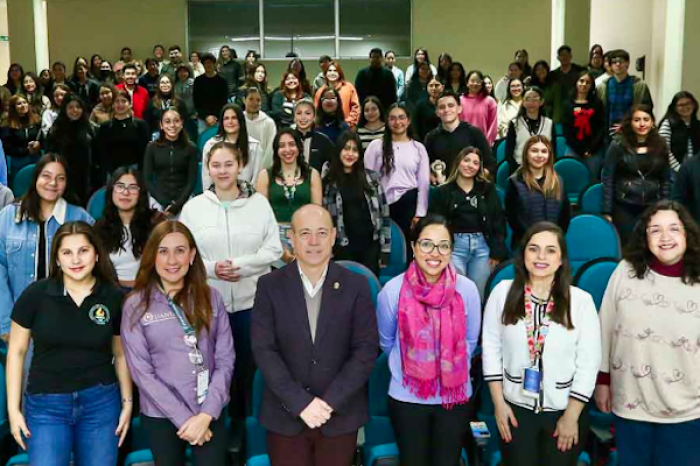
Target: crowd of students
{"x": 312, "y": 170}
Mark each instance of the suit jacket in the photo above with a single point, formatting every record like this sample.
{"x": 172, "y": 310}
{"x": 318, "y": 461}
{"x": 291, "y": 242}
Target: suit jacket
{"x": 334, "y": 367}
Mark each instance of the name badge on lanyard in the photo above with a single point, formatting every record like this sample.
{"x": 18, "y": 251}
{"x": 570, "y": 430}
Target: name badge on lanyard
{"x": 532, "y": 376}
{"x": 202, "y": 385}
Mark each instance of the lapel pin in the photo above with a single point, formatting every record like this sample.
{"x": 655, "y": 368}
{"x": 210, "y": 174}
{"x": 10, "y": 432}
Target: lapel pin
{"x": 336, "y": 286}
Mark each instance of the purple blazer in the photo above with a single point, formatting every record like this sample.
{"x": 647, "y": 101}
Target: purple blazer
{"x": 335, "y": 367}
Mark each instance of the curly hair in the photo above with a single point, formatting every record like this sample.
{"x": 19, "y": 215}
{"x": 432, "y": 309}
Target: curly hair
{"x": 637, "y": 251}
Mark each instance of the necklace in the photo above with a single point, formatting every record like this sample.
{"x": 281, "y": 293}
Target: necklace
{"x": 290, "y": 189}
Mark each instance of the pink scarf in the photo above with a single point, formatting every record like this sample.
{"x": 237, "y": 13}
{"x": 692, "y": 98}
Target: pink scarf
{"x": 432, "y": 332}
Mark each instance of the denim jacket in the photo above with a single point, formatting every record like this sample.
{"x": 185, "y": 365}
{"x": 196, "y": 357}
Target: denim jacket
{"x": 18, "y": 251}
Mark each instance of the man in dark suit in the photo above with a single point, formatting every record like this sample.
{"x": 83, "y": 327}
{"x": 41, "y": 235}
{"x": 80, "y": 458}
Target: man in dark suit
{"x": 314, "y": 338}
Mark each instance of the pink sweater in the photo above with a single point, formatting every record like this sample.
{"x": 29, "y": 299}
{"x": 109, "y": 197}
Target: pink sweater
{"x": 480, "y": 112}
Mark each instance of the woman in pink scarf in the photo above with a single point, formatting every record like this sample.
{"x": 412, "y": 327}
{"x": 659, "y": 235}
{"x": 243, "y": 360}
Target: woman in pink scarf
{"x": 429, "y": 320}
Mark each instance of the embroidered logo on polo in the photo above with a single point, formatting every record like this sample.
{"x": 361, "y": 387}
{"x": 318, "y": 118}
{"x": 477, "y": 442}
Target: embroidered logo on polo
{"x": 99, "y": 313}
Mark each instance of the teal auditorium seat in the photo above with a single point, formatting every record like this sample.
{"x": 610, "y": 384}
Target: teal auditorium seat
{"x": 206, "y": 136}
{"x": 397, "y": 257}
{"x": 503, "y": 271}
{"x": 591, "y": 199}
{"x": 593, "y": 277}
{"x": 20, "y": 185}
{"x": 256, "y": 435}
{"x": 591, "y": 237}
{"x": 96, "y": 204}
{"x": 575, "y": 176}
{"x": 374, "y": 285}
{"x": 502, "y": 175}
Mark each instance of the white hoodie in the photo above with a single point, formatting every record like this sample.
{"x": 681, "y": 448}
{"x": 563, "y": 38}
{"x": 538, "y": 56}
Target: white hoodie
{"x": 246, "y": 233}
{"x": 263, "y": 129}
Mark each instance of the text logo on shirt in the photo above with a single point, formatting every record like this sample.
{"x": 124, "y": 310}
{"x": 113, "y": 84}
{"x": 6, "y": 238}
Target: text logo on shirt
{"x": 99, "y": 313}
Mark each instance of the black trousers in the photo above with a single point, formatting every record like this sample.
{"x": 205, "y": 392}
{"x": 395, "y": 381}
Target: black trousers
{"x": 402, "y": 212}
{"x": 429, "y": 435}
{"x": 533, "y": 444}
{"x": 369, "y": 256}
{"x": 169, "y": 450}
{"x": 625, "y": 217}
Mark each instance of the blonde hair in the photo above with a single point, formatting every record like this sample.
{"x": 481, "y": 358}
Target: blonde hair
{"x": 551, "y": 188}
{"x": 454, "y": 173}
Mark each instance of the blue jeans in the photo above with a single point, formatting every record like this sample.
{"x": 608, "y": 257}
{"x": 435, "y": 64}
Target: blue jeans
{"x": 82, "y": 423}
{"x": 471, "y": 259}
{"x": 650, "y": 444}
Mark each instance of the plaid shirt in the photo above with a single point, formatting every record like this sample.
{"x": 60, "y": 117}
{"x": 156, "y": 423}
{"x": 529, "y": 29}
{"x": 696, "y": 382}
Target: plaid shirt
{"x": 620, "y": 98}
{"x": 378, "y": 211}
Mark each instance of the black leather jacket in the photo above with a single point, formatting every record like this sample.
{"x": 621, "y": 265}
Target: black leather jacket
{"x": 634, "y": 179}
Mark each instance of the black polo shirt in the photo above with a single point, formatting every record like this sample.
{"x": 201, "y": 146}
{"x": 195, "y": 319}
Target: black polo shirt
{"x": 72, "y": 345}
{"x": 443, "y": 145}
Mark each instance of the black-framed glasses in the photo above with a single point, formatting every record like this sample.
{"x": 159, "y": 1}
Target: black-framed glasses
{"x": 427, "y": 246}
{"x": 131, "y": 188}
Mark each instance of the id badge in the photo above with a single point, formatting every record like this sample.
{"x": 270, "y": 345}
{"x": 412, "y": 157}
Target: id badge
{"x": 532, "y": 379}
{"x": 202, "y": 385}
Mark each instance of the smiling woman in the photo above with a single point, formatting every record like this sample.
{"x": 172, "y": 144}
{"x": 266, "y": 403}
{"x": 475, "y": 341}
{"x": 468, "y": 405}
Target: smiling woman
{"x": 25, "y": 255}
{"x": 535, "y": 192}
{"x": 78, "y": 366}
{"x": 430, "y": 390}
{"x": 662, "y": 260}
{"x": 541, "y": 353}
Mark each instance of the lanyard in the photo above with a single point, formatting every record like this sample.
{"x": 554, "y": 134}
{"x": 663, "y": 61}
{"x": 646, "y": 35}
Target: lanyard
{"x": 536, "y": 335}
{"x": 190, "y": 335}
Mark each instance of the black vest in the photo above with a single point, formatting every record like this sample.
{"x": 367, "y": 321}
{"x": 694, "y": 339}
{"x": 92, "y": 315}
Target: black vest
{"x": 538, "y": 207}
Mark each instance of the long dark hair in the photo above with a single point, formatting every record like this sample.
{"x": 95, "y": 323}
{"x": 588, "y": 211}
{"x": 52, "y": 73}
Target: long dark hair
{"x": 547, "y": 80}
{"x": 336, "y": 173}
{"x": 656, "y": 146}
{"x": 514, "y": 309}
{"x": 509, "y": 96}
{"x": 110, "y": 226}
{"x": 182, "y": 139}
{"x": 415, "y": 60}
{"x": 10, "y": 84}
{"x": 195, "y": 295}
{"x": 637, "y": 251}
{"x": 592, "y": 96}
{"x": 672, "y": 113}
{"x": 387, "y": 141}
{"x": 36, "y": 99}
{"x": 523, "y": 111}
{"x": 462, "y": 75}
{"x": 159, "y": 99}
{"x": 30, "y": 203}
{"x": 321, "y": 115}
{"x": 242, "y": 142}
{"x": 483, "y": 92}
{"x": 382, "y": 112}
{"x": 304, "y": 168}
{"x": 65, "y": 131}
{"x": 103, "y": 271}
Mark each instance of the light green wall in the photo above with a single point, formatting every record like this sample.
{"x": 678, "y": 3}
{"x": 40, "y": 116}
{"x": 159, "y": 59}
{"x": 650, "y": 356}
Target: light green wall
{"x": 483, "y": 34}
{"x": 577, "y": 30}
{"x": 20, "y": 15}
{"x": 477, "y": 33}
{"x": 85, "y": 27}
{"x": 691, "y": 63}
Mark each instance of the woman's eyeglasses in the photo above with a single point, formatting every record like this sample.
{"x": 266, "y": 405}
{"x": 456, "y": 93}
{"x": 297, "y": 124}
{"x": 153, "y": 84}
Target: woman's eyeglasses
{"x": 121, "y": 188}
{"x": 427, "y": 246}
